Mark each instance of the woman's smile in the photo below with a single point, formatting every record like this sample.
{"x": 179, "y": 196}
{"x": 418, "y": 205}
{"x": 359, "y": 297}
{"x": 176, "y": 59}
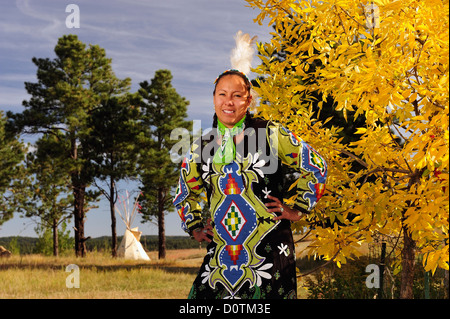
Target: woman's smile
{"x": 231, "y": 100}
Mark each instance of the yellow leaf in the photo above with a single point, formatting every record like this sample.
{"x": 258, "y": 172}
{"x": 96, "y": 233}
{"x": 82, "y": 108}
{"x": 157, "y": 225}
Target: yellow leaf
{"x": 413, "y": 97}
{"x": 391, "y": 80}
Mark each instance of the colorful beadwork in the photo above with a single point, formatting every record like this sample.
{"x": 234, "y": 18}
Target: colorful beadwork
{"x": 251, "y": 256}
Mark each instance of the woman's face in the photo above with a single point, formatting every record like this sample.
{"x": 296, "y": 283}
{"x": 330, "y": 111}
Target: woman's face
{"x": 231, "y": 100}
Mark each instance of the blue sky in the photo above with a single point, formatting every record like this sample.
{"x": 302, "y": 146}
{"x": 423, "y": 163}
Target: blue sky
{"x": 192, "y": 38}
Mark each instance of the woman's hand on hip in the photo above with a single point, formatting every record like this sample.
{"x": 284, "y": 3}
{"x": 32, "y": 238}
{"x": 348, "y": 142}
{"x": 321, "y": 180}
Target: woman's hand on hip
{"x": 276, "y": 206}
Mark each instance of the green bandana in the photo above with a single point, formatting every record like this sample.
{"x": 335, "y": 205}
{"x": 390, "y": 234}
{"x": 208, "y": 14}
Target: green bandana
{"x": 227, "y": 150}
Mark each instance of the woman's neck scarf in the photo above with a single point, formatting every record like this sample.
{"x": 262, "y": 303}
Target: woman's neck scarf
{"x": 227, "y": 150}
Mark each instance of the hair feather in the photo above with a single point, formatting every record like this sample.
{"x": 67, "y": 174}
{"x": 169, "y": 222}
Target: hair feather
{"x": 242, "y": 55}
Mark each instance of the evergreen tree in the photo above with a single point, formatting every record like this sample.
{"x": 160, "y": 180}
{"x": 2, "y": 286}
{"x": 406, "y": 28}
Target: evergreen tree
{"x": 163, "y": 110}
{"x": 51, "y": 200}
{"x": 69, "y": 88}
{"x": 11, "y": 172}
{"x": 45, "y": 243}
{"x": 112, "y": 142}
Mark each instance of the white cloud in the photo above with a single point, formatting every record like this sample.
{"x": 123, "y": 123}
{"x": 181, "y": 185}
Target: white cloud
{"x": 11, "y": 98}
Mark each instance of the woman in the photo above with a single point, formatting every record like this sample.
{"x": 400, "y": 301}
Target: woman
{"x": 251, "y": 250}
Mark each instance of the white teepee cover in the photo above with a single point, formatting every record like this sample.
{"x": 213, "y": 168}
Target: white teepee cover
{"x": 130, "y": 247}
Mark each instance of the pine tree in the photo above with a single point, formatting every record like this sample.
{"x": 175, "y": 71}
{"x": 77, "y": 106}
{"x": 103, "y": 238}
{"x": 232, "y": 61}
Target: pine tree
{"x": 51, "y": 199}
{"x": 163, "y": 110}
{"x": 69, "y": 88}
{"x": 114, "y": 132}
{"x": 11, "y": 154}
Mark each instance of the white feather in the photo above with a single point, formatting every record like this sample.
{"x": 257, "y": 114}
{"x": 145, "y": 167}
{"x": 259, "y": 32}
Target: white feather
{"x": 242, "y": 55}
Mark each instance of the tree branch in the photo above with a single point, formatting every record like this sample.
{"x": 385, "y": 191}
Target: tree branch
{"x": 321, "y": 266}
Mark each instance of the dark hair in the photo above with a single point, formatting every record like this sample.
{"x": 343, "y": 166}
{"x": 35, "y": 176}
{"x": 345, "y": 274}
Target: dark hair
{"x": 247, "y": 82}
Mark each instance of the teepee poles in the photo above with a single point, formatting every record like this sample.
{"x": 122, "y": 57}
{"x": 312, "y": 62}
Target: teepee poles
{"x": 124, "y": 212}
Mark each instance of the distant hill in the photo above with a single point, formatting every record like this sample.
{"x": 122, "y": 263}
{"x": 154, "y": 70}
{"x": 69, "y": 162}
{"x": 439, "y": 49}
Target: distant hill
{"x": 26, "y": 245}
{"x": 149, "y": 242}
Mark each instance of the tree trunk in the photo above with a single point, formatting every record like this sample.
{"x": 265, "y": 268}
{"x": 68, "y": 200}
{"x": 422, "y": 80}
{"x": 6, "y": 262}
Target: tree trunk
{"x": 446, "y": 284}
{"x": 55, "y": 238}
{"x": 78, "y": 214}
{"x": 113, "y": 218}
{"x": 161, "y": 226}
{"x": 408, "y": 265}
{"x": 79, "y": 192}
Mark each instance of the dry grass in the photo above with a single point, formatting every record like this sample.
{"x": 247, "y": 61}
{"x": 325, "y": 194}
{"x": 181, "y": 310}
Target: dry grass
{"x": 101, "y": 277}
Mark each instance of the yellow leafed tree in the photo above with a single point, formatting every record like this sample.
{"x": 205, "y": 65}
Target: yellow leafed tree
{"x": 386, "y": 61}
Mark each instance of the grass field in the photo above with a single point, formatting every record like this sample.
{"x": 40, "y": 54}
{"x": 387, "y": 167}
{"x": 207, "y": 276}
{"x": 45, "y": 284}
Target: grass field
{"x": 103, "y": 277}
{"x": 36, "y": 276}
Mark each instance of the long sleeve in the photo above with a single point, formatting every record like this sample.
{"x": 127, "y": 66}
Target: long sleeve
{"x": 311, "y": 167}
{"x": 188, "y": 194}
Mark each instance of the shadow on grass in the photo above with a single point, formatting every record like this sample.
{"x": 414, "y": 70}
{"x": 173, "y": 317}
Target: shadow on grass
{"x": 161, "y": 266}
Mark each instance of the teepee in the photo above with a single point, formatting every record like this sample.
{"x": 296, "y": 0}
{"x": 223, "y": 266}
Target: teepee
{"x": 130, "y": 247}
